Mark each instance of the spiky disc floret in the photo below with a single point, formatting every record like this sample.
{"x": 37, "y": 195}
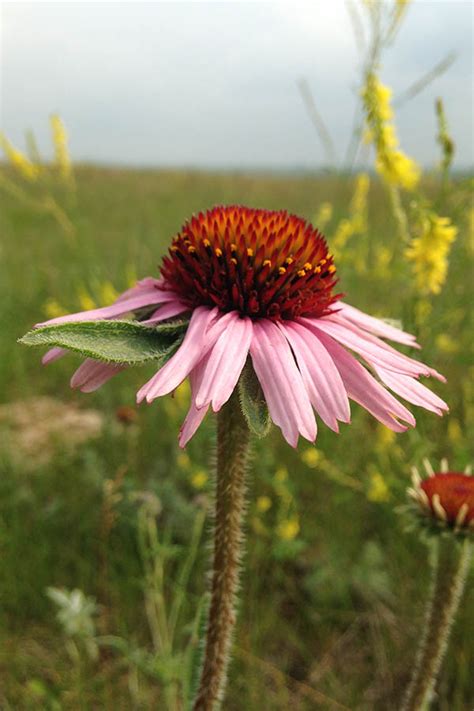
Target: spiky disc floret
{"x": 445, "y": 499}
{"x": 260, "y": 263}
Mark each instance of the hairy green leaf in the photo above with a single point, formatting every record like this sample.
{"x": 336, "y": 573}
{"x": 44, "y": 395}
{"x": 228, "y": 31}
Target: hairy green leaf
{"x": 126, "y": 342}
{"x": 252, "y": 401}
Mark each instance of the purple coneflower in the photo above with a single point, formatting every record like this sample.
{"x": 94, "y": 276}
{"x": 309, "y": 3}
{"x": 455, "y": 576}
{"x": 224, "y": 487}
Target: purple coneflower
{"x": 262, "y": 283}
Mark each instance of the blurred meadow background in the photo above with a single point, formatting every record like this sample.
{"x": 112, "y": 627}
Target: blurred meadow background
{"x": 171, "y": 109}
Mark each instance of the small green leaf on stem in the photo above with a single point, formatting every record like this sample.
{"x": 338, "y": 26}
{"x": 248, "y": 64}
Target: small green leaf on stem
{"x": 125, "y": 342}
{"x": 252, "y": 402}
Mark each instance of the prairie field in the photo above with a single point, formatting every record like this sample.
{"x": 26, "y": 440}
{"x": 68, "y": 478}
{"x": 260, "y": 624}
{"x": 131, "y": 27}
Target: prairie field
{"x": 97, "y": 496}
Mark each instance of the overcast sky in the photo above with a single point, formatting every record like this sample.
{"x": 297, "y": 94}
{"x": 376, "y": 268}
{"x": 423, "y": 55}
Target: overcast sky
{"x": 213, "y": 84}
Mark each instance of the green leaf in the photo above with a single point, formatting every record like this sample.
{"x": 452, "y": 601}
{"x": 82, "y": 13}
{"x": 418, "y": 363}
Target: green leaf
{"x": 252, "y": 401}
{"x": 126, "y": 342}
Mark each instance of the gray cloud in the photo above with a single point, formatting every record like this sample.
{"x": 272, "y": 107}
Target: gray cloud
{"x": 214, "y": 84}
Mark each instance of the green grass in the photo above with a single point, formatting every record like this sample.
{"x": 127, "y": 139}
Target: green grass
{"x": 329, "y": 620}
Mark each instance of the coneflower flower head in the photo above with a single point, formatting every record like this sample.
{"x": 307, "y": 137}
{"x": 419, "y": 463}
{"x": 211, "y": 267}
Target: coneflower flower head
{"x": 444, "y": 500}
{"x": 256, "y": 290}
{"x": 258, "y": 263}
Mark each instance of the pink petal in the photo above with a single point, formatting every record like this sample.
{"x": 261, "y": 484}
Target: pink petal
{"x": 320, "y": 376}
{"x": 224, "y": 363}
{"x": 195, "y": 415}
{"x": 281, "y": 381}
{"x": 146, "y": 298}
{"x": 412, "y": 391}
{"x": 365, "y": 390}
{"x": 143, "y": 285}
{"x": 186, "y": 357}
{"x": 53, "y": 354}
{"x": 371, "y": 348}
{"x": 172, "y": 308}
{"x": 375, "y": 325}
{"x": 91, "y": 374}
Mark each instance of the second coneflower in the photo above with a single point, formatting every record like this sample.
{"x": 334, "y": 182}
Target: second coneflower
{"x": 246, "y": 302}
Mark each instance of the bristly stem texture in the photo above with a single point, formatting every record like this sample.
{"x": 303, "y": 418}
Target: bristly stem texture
{"x": 451, "y": 565}
{"x": 232, "y": 455}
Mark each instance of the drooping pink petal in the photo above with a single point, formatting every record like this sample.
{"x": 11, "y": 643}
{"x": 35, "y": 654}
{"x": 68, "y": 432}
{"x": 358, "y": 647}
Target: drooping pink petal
{"x": 53, "y": 354}
{"x": 371, "y": 348}
{"x": 225, "y": 362}
{"x": 375, "y": 325}
{"x": 320, "y": 376}
{"x": 142, "y": 285}
{"x": 91, "y": 374}
{"x": 186, "y": 357}
{"x": 411, "y": 367}
{"x": 172, "y": 308}
{"x": 148, "y": 297}
{"x": 195, "y": 415}
{"x": 412, "y": 391}
{"x": 365, "y": 390}
{"x": 281, "y": 381}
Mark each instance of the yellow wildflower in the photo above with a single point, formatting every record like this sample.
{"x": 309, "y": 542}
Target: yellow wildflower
{"x": 454, "y": 431}
{"x": 86, "y": 301}
{"x": 182, "y": 394}
{"x": 429, "y": 252}
{"x": 383, "y": 261}
{"x": 281, "y": 474}
{"x": 378, "y": 489}
{"x": 19, "y": 161}
{"x": 183, "y": 461}
{"x": 264, "y": 503}
{"x": 199, "y": 479}
{"x": 323, "y": 215}
{"x": 385, "y": 436}
{"x": 108, "y": 293}
{"x": 396, "y": 168}
{"x": 53, "y": 309}
{"x": 446, "y": 344}
{"x": 288, "y": 529}
{"x": 62, "y": 157}
{"x": 311, "y": 457}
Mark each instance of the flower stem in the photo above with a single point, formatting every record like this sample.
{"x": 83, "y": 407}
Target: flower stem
{"x": 232, "y": 455}
{"x": 450, "y": 568}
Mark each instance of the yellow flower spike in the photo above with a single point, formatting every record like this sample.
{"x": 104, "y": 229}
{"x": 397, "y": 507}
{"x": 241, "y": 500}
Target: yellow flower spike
{"x": 446, "y": 344}
{"x": 378, "y": 490}
{"x": 53, "y": 309}
{"x": 264, "y": 503}
{"x": 131, "y": 277}
{"x": 183, "y": 461}
{"x": 199, "y": 479}
{"x": 28, "y": 170}
{"x": 182, "y": 394}
{"x": 396, "y": 168}
{"x": 288, "y": 529}
{"x": 429, "y": 252}
{"x": 60, "y": 141}
{"x": 311, "y": 457}
{"x": 108, "y": 293}
{"x": 281, "y": 475}
{"x": 455, "y": 434}
{"x": 385, "y": 436}
{"x": 323, "y": 215}
{"x": 86, "y": 301}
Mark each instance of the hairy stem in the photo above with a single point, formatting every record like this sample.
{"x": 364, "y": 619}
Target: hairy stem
{"x": 232, "y": 454}
{"x": 449, "y": 575}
